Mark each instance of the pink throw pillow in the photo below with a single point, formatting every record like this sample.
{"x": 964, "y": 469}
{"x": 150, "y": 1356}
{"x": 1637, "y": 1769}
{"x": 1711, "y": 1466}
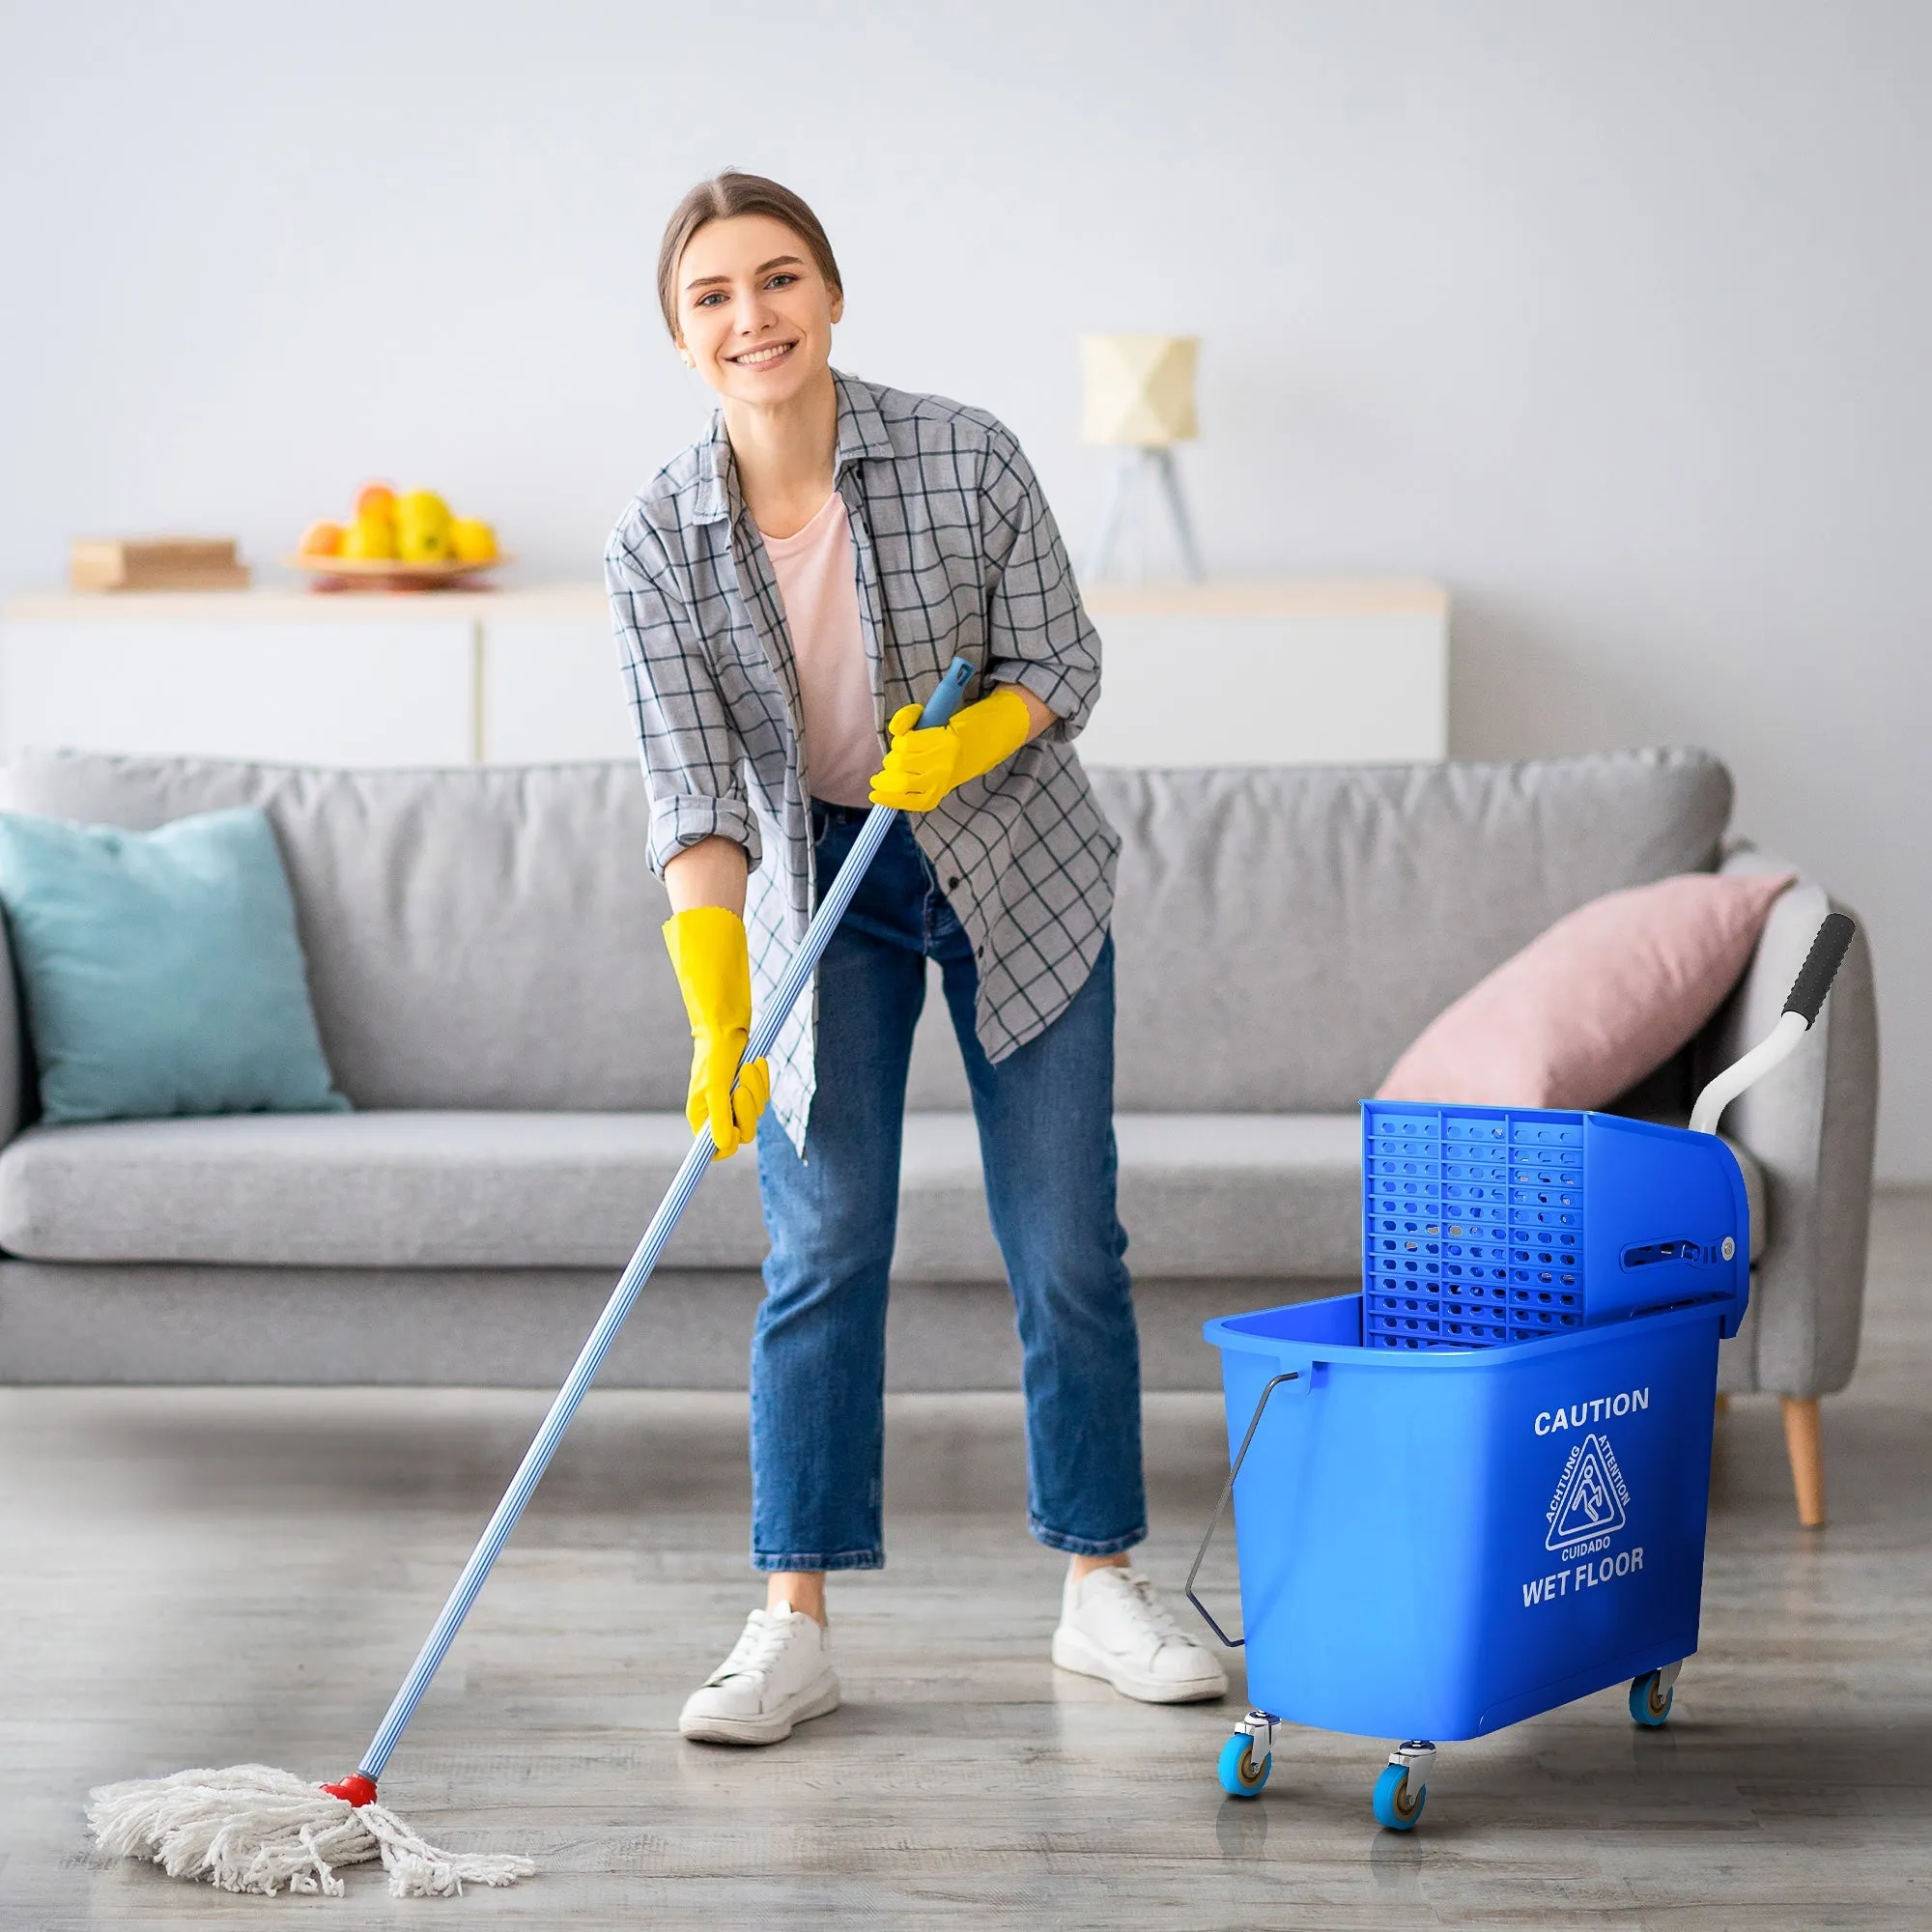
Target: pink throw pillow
{"x": 1587, "y": 1009}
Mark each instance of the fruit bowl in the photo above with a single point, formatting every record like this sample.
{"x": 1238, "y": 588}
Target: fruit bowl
{"x": 386, "y": 573}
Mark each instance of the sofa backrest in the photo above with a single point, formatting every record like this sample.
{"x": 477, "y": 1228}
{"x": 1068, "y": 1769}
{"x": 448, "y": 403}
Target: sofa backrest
{"x": 487, "y": 937}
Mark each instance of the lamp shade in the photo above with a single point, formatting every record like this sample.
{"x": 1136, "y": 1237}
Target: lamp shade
{"x": 1139, "y": 389}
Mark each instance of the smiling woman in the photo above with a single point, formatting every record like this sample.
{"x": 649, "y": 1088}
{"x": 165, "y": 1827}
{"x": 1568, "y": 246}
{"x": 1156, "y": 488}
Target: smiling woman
{"x": 785, "y": 592}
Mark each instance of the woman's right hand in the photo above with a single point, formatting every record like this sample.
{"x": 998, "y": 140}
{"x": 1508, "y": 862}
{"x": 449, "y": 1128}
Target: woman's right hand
{"x": 710, "y": 955}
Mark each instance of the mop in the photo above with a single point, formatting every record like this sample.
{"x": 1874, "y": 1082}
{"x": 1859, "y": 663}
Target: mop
{"x": 250, "y": 1828}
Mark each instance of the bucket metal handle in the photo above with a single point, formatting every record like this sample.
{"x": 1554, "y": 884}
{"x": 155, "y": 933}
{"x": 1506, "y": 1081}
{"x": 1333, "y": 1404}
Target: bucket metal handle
{"x": 1214, "y": 1520}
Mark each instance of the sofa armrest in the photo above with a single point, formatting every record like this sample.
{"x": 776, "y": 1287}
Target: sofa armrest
{"x": 1811, "y": 1126}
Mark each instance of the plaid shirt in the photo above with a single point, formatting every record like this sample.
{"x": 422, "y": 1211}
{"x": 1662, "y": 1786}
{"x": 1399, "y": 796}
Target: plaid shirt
{"x": 956, "y": 555}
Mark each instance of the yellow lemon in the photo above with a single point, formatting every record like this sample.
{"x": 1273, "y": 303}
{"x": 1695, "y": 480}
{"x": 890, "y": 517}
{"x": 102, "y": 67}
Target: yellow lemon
{"x": 471, "y": 541}
{"x": 422, "y": 527}
{"x": 369, "y": 537}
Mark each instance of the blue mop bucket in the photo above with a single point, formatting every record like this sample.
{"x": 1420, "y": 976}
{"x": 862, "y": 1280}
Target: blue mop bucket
{"x": 1476, "y": 1490}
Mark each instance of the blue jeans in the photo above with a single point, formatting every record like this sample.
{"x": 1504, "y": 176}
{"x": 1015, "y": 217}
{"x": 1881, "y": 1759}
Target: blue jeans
{"x": 1046, "y": 1139}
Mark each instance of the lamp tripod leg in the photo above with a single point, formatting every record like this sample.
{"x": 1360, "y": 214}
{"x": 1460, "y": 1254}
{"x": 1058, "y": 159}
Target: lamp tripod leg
{"x": 1177, "y": 507}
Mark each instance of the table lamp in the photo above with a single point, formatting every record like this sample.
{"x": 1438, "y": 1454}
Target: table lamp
{"x": 1139, "y": 393}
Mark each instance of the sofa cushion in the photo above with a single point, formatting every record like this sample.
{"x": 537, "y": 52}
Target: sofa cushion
{"x": 386, "y": 1189}
{"x": 476, "y": 937}
{"x": 1201, "y": 1195}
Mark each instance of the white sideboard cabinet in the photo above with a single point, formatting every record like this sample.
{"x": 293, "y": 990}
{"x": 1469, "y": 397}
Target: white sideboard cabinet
{"x": 1279, "y": 672}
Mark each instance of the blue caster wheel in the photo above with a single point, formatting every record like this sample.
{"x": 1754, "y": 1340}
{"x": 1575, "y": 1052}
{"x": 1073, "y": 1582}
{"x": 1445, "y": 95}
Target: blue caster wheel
{"x": 1399, "y": 1803}
{"x": 1240, "y": 1776}
{"x": 1650, "y": 1706}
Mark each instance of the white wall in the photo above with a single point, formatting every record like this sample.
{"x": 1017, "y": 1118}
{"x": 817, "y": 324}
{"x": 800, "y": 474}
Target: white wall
{"x": 1614, "y": 316}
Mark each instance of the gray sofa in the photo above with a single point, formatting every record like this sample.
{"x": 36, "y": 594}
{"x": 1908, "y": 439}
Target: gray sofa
{"x": 495, "y": 999}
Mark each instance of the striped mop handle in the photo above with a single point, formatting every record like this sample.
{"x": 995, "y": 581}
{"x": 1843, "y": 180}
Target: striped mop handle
{"x": 939, "y": 707}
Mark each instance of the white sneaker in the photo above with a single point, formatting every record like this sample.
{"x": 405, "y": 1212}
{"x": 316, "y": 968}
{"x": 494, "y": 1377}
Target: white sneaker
{"x": 1113, "y": 1626}
{"x": 778, "y": 1674}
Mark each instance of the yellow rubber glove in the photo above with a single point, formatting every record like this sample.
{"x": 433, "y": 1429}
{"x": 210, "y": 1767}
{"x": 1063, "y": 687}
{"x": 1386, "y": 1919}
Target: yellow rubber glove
{"x": 922, "y": 766}
{"x": 713, "y": 963}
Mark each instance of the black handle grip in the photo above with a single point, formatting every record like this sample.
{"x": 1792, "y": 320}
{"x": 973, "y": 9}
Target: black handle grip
{"x": 1821, "y": 967}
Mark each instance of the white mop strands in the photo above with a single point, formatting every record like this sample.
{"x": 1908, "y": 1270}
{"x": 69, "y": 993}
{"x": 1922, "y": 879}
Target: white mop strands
{"x": 253, "y": 1828}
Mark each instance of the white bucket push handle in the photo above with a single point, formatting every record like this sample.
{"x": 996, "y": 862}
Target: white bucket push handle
{"x": 1801, "y": 1010}
{"x": 1808, "y": 996}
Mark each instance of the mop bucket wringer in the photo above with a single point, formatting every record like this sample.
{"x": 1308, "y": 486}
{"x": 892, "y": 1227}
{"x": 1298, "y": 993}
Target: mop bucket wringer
{"x": 1476, "y": 1490}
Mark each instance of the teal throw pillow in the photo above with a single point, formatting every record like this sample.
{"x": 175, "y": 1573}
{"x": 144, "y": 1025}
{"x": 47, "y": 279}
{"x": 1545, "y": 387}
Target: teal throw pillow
{"x": 160, "y": 970}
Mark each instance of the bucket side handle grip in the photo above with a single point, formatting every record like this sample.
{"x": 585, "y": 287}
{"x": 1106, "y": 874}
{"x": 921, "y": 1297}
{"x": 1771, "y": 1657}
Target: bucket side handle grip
{"x": 1214, "y": 1520}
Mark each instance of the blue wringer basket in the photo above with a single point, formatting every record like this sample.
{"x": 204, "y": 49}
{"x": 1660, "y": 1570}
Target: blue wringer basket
{"x": 1476, "y": 1490}
{"x": 1485, "y": 1226}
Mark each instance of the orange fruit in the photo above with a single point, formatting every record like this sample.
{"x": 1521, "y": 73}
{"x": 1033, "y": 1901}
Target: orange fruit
{"x": 375, "y": 500}
{"x": 320, "y": 539}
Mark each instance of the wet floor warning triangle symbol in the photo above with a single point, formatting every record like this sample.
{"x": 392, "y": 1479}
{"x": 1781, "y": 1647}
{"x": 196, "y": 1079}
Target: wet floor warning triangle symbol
{"x": 1591, "y": 1500}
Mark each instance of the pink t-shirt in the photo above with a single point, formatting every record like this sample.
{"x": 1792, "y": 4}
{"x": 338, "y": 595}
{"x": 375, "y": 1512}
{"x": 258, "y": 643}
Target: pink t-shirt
{"x": 818, "y": 582}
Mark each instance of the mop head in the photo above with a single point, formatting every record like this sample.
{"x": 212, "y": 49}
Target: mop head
{"x": 251, "y": 1828}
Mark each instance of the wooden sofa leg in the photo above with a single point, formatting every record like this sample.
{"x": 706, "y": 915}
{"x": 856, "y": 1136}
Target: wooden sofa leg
{"x": 1804, "y": 1442}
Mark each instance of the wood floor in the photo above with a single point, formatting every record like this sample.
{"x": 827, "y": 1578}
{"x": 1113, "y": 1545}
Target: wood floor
{"x": 203, "y": 1577}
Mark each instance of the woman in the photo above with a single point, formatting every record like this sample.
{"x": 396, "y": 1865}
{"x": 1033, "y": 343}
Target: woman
{"x": 800, "y": 577}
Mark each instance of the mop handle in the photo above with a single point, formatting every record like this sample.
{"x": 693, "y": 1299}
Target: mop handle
{"x": 939, "y": 707}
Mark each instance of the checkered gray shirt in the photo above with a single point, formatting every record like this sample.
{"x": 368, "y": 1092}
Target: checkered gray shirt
{"x": 956, "y": 555}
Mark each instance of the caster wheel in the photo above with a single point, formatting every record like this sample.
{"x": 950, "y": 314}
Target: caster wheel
{"x": 1398, "y": 1803}
{"x": 1240, "y": 1776}
{"x": 1648, "y": 1706}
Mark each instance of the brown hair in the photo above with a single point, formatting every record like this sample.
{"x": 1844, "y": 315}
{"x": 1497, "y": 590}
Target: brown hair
{"x": 717, "y": 200}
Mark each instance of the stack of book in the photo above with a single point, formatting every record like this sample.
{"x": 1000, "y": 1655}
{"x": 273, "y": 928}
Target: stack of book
{"x": 156, "y": 563}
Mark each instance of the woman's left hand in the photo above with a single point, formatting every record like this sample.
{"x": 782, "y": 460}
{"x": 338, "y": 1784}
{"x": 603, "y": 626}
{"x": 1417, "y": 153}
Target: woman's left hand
{"x": 922, "y": 766}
